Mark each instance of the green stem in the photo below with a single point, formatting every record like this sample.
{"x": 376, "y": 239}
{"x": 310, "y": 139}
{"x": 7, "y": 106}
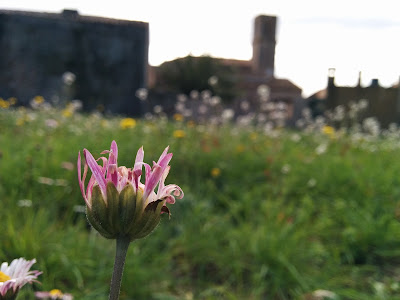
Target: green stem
{"x": 120, "y": 255}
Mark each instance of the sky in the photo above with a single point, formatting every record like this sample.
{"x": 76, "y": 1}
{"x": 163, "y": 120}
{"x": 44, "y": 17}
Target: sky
{"x": 312, "y": 36}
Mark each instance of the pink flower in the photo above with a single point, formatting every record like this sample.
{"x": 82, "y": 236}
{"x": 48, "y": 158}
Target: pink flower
{"x": 118, "y": 203}
{"x": 15, "y": 276}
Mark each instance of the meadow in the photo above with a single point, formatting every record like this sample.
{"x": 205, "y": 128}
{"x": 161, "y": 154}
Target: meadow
{"x": 286, "y": 214}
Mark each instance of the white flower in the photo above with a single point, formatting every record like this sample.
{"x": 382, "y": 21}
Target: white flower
{"x": 68, "y": 78}
{"x": 285, "y": 169}
{"x": 15, "y": 276}
{"x": 142, "y": 94}
{"x": 321, "y": 149}
{"x": 312, "y": 182}
{"x": 324, "y": 294}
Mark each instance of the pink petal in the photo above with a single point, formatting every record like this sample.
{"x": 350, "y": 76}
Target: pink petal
{"x": 112, "y": 173}
{"x": 152, "y": 180}
{"x": 137, "y": 167}
{"x": 163, "y": 154}
{"x": 82, "y": 179}
{"x": 165, "y": 160}
{"x": 162, "y": 180}
{"x": 113, "y": 153}
{"x": 97, "y": 172}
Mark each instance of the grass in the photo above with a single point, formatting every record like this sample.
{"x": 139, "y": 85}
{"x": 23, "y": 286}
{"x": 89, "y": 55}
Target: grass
{"x": 280, "y": 220}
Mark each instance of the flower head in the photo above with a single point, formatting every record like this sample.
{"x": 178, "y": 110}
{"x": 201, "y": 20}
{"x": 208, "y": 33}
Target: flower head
{"x": 118, "y": 203}
{"x": 127, "y": 123}
{"x": 329, "y": 131}
{"x": 15, "y": 276}
{"x": 179, "y": 134}
{"x": 53, "y": 295}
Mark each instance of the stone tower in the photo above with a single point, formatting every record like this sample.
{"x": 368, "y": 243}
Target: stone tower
{"x": 264, "y": 46}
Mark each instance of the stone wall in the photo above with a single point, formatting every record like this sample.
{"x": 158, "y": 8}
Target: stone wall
{"x": 108, "y": 57}
{"x": 383, "y": 103}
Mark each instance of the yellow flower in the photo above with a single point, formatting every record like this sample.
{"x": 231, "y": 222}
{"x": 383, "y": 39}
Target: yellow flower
{"x": 329, "y": 131}
{"x": 67, "y": 113}
{"x": 178, "y": 117}
{"x": 191, "y": 124}
{"x": 20, "y": 121}
{"x": 215, "y": 172}
{"x": 4, "y": 103}
{"x": 179, "y": 134}
{"x": 38, "y": 99}
{"x": 55, "y": 293}
{"x": 127, "y": 123}
{"x": 104, "y": 123}
{"x": 253, "y": 136}
{"x": 240, "y": 148}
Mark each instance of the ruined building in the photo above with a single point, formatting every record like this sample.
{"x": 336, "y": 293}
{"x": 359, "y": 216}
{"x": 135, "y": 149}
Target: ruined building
{"x": 259, "y": 71}
{"x": 383, "y": 103}
{"x": 106, "y": 59}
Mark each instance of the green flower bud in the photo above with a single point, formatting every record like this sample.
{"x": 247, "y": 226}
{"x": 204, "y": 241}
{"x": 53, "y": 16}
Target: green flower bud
{"x": 124, "y": 214}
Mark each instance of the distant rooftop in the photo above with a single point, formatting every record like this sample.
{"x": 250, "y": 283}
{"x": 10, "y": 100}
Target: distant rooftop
{"x": 71, "y": 14}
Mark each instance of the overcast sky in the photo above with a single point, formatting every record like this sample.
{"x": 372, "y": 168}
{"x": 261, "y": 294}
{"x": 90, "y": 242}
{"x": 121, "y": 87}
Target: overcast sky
{"x": 312, "y": 35}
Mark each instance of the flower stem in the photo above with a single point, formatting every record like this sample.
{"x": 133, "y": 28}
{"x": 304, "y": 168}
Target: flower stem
{"x": 120, "y": 255}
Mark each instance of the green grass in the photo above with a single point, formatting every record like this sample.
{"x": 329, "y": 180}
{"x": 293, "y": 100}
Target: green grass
{"x": 279, "y": 222}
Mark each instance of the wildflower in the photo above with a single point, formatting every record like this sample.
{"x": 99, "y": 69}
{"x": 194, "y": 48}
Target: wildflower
{"x": 202, "y": 109}
{"x": 245, "y": 106}
{"x": 311, "y": 182}
{"x": 179, "y": 134}
{"x": 142, "y": 94}
{"x": 104, "y": 124}
{"x": 68, "y": 78}
{"x": 51, "y": 123}
{"x": 12, "y": 101}
{"x": 53, "y": 295}
{"x": 263, "y": 92}
{"x": 46, "y": 180}
{"x": 253, "y": 136}
{"x": 24, "y": 203}
{"x": 67, "y": 113}
{"x": 14, "y": 276}
{"x": 324, "y": 294}
{"x": 67, "y": 165}
{"x": 215, "y": 172}
{"x": 178, "y": 117}
{"x": 61, "y": 182}
{"x": 194, "y": 94}
{"x": 118, "y": 204}
{"x": 295, "y": 137}
{"x": 191, "y": 124}
{"x": 4, "y": 103}
{"x": 38, "y": 99}
{"x": 215, "y": 100}
{"x": 37, "y": 102}
{"x": 20, "y": 121}
{"x": 227, "y": 114}
{"x": 329, "y": 131}
{"x": 240, "y": 148}
{"x": 285, "y": 169}
{"x": 321, "y": 149}
{"x": 157, "y": 109}
{"x": 213, "y": 80}
{"x": 127, "y": 123}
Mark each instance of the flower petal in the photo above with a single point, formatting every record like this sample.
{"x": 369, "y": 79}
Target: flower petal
{"x": 82, "y": 179}
{"x": 152, "y": 178}
{"x": 96, "y": 171}
{"x": 113, "y": 153}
